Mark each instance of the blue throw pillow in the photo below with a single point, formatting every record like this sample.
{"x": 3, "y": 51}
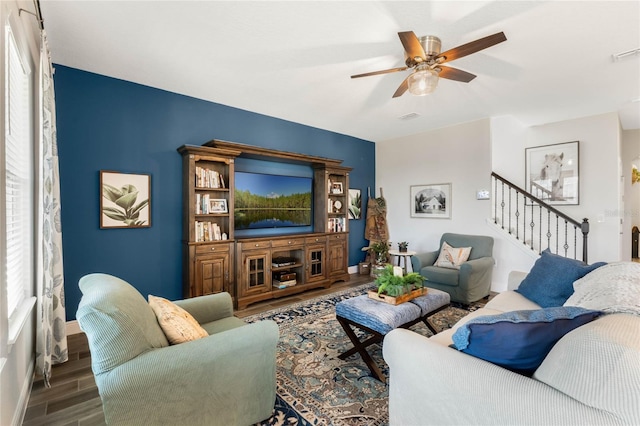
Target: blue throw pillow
{"x": 519, "y": 340}
{"x": 550, "y": 282}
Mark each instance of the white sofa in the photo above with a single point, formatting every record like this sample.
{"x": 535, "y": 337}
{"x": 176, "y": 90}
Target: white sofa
{"x": 591, "y": 376}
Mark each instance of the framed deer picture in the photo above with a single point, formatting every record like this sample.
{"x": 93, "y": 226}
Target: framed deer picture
{"x": 552, "y": 173}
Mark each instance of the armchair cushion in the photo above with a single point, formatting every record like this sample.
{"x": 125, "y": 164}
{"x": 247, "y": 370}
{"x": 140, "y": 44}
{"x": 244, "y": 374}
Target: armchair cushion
{"x": 176, "y": 323}
{"x": 446, "y": 276}
{"x": 519, "y": 340}
{"x": 117, "y": 316}
{"x": 452, "y": 257}
{"x": 550, "y": 281}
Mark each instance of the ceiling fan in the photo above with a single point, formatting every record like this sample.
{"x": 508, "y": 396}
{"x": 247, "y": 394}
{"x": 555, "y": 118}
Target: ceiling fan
{"x": 423, "y": 55}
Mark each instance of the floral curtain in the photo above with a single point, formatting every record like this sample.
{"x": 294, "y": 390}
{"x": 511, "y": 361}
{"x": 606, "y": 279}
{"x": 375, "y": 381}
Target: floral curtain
{"x": 51, "y": 334}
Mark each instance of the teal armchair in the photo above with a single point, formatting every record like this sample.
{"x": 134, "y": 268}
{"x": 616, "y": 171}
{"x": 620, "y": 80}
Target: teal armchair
{"x": 227, "y": 378}
{"x": 472, "y": 281}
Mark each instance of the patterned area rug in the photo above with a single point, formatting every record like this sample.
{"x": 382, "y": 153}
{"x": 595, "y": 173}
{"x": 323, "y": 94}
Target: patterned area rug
{"x": 314, "y": 386}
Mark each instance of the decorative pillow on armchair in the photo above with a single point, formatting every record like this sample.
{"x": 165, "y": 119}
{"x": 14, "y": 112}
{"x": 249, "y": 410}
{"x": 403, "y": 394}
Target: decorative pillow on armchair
{"x": 178, "y": 325}
{"x": 550, "y": 281}
{"x": 519, "y": 340}
{"x": 452, "y": 257}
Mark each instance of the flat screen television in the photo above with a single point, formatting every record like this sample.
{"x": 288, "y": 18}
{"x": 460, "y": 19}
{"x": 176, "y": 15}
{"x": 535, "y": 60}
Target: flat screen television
{"x": 272, "y": 201}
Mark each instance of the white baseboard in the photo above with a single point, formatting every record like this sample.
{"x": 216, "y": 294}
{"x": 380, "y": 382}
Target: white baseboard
{"x": 73, "y": 328}
{"x": 18, "y": 417}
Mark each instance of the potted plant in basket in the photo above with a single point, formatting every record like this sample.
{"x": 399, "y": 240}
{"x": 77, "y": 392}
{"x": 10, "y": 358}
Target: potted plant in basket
{"x": 396, "y": 285}
{"x": 402, "y": 246}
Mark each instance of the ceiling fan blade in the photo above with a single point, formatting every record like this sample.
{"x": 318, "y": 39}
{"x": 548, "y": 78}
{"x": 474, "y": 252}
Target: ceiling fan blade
{"x": 404, "y": 86}
{"x": 412, "y": 45}
{"x": 455, "y": 74}
{"x": 472, "y": 47}
{"x": 367, "y": 74}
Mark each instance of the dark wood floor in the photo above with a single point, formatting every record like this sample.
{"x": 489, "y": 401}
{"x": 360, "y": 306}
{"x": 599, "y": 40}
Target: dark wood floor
{"x": 73, "y": 397}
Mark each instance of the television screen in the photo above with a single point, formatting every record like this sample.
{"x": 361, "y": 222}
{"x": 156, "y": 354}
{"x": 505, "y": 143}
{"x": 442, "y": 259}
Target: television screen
{"x": 271, "y": 201}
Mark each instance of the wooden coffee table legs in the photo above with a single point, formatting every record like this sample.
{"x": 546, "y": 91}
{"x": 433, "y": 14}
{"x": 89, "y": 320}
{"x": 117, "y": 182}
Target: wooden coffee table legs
{"x": 360, "y": 347}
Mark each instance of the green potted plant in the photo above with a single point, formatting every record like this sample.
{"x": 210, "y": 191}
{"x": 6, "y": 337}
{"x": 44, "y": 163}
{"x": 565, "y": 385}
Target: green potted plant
{"x": 380, "y": 250}
{"x": 396, "y": 285}
{"x": 402, "y": 246}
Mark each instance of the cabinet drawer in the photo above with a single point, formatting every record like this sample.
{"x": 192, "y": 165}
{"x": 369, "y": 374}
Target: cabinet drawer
{"x": 213, "y": 248}
{"x": 288, "y": 242}
{"x": 318, "y": 239}
{"x": 252, "y": 245}
{"x": 338, "y": 237}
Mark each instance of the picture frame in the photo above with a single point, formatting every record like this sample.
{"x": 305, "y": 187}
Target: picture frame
{"x": 336, "y": 188}
{"x": 355, "y": 204}
{"x": 552, "y": 173}
{"x": 431, "y": 201}
{"x": 218, "y": 205}
{"x": 125, "y": 200}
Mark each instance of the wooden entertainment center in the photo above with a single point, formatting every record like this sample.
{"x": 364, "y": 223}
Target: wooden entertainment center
{"x": 214, "y": 260}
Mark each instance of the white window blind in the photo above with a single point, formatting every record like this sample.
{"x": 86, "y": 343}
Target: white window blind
{"x": 18, "y": 179}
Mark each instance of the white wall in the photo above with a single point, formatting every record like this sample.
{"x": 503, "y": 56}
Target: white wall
{"x": 466, "y": 154}
{"x": 599, "y": 138}
{"x": 631, "y": 209}
{"x": 460, "y": 155}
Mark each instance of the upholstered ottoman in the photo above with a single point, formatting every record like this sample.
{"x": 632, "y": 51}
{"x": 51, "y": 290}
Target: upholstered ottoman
{"x": 379, "y": 318}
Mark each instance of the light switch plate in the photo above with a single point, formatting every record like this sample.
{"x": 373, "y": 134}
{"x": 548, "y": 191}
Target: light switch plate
{"x": 483, "y": 194}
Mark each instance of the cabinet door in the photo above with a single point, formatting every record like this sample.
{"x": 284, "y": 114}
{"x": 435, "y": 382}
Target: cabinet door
{"x": 212, "y": 273}
{"x": 255, "y": 272}
{"x": 337, "y": 255}
{"x": 316, "y": 267}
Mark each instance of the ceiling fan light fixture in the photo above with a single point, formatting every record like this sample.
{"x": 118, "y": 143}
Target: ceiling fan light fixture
{"x": 423, "y": 81}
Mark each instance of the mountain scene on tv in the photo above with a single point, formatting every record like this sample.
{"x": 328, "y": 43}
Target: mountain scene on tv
{"x": 271, "y": 201}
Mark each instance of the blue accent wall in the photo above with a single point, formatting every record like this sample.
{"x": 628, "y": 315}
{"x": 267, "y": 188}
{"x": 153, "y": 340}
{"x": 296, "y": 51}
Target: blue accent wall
{"x": 109, "y": 124}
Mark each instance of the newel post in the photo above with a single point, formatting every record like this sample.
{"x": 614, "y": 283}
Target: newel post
{"x": 584, "y": 227}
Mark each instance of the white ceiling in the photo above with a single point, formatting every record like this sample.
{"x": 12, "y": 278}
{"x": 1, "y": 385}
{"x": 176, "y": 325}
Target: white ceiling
{"x": 293, "y": 59}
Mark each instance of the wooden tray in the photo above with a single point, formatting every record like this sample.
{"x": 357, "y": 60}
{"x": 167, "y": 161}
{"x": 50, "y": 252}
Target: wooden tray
{"x": 373, "y": 294}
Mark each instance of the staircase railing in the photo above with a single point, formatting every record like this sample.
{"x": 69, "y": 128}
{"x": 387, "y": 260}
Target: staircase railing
{"x": 537, "y": 224}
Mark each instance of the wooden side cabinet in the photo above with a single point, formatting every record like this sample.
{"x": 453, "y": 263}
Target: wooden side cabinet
{"x": 316, "y": 263}
{"x": 253, "y": 271}
{"x": 212, "y": 269}
{"x": 337, "y": 257}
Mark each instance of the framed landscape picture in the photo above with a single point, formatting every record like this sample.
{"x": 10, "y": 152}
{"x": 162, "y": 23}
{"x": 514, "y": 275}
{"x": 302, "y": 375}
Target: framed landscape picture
{"x": 431, "y": 201}
{"x": 552, "y": 173}
{"x": 125, "y": 200}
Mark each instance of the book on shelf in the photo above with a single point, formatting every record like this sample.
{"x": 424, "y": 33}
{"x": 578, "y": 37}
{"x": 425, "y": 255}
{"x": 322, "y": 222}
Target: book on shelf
{"x": 207, "y": 231}
{"x": 336, "y": 224}
{"x": 283, "y": 284}
{"x": 284, "y": 275}
{"x": 283, "y": 261}
{"x": 206, "y": 178}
